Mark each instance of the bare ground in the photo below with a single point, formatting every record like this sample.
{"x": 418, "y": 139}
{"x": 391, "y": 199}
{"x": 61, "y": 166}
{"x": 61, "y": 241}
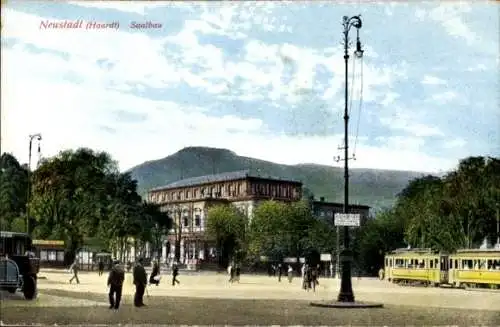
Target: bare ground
{"x": 257, "y": 300}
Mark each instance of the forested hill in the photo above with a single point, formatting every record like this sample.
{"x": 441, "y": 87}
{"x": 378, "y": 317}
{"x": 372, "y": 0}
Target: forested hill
{"x": 373, "y": 187}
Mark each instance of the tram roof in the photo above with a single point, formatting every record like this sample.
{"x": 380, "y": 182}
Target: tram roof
{"x": 478, "y": 250}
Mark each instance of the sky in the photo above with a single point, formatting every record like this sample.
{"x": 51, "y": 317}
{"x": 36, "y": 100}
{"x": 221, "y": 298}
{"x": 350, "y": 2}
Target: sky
{"x": 263, "y": 79}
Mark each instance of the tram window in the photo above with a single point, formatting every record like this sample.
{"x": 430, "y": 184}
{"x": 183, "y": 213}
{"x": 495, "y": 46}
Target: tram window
{"x": 456, "y": 264}
{"x": 436, "y": 263}
{"x": 482, "y": 264}
{"x": 390, "y": 262}
{"x": 421, "y": 264}
{"x": 432, "y": 264}
{"x": 386, "y": 262}
{"x": 467, "y": 264}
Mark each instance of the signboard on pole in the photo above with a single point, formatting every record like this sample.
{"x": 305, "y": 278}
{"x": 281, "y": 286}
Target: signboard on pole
{"x": 348, "y": 219}
{"x": 325, "y": 257}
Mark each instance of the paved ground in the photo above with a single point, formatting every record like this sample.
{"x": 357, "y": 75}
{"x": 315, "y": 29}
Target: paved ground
{"x": 210, "y": 299}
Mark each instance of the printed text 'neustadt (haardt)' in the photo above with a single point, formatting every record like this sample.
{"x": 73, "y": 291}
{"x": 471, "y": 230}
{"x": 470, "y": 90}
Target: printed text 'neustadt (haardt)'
{"x": 94, "y": 25}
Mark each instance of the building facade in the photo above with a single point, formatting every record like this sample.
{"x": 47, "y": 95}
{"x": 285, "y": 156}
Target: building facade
{"x": 187, "y": 201}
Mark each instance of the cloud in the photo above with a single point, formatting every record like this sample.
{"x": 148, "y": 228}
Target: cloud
{"x": 131, "y": 7}
{"x": 433, "y": 80}
{"x": 251, "y": 77}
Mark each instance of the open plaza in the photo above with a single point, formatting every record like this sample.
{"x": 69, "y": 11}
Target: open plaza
{"x": 207, "y": 298}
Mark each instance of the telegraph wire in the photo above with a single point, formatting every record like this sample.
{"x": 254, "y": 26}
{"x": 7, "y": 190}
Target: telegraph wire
{"x": 360, "y": 106}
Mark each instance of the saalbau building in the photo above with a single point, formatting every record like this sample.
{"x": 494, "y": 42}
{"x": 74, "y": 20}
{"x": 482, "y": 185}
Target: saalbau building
{"x": 188, "y": 200}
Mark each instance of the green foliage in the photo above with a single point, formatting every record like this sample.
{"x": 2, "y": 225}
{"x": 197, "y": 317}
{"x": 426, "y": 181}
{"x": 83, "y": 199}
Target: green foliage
{"x": 279, "y": 229}
{"x": 376, "y": 188}
{"x": 13, "y": 191}
{"x": 81, "y": 195}
{"x": 455, "y": 211}
{"x": 227, "y": 225}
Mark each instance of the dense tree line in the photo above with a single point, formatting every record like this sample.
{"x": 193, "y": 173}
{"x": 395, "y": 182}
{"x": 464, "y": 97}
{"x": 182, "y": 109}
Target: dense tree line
{"x": 76, "y": 196}
{"x": 457, "y": 210}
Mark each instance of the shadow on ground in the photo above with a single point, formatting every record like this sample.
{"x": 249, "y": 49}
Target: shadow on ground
{"x": 197, "y": 311}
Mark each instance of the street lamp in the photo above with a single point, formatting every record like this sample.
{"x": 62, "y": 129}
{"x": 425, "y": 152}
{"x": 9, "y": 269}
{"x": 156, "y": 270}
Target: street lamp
{"x": 345, "y": 298}
{"x": 37, "y": 137}
{"x": 346, "y": 294}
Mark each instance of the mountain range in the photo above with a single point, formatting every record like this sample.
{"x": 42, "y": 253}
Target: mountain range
{"x": 373, "y": 187}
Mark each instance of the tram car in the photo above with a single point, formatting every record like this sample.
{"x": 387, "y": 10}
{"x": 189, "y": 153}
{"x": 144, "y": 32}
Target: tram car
{"x": 416, "y": 266}
{"x": 475, "y": 268}
{"x": 465, "y": 268}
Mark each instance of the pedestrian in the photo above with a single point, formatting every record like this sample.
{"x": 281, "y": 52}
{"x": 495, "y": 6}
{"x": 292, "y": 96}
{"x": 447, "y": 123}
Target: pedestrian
{"x": 74, "y": 269}
{"x": 314, "y": 278}
{"x": 100, "y": 266}
{"x": 231, "y": 273}
{"x": 175, "y": 273}
{"x": 140, "y": 282}
{"x": 115, "y": 284}
{"x": 237, "y": 272}
{"x": 305, "y": 272}
{"x": 155, "y": 274}
{"x": 280, "y": 271}
{"x": 290, "y": 273}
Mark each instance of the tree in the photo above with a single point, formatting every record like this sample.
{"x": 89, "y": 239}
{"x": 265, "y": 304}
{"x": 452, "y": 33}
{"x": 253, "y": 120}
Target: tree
{"x": 266, "y": 232}
{"x": 70, "y": 195}
{"x": 281, "y": 229}
{"x": 227, "y": 225}
{"x": 156, "y": 224}
{"x": 13, "y": 191}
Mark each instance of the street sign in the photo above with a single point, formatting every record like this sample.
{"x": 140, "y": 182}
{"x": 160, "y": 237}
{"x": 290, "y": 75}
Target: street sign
{"x": 325, "y": 257}
{"x": 347, "y": 219}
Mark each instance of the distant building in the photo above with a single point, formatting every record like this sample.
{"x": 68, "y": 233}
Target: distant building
{"x": 188, "y": 200}
{"x": 326, "y": 210}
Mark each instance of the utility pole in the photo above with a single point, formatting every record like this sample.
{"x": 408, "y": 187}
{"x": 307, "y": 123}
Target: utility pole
{"x": 498, "y": 229}
{"x": 37, "y": 137}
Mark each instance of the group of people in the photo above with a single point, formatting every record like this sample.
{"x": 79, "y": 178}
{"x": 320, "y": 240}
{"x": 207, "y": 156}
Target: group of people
{"x": 116, "y": 278}
{"x": 310, "y": 276}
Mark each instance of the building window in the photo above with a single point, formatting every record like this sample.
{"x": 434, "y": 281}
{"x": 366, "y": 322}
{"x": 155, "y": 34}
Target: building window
{"x": 195, "y": 193}
{"x": 185, "y": 222}
{"x": 178, "y": 195}
{"x": 197, "y": 220}
{"x": 188, "y": 194}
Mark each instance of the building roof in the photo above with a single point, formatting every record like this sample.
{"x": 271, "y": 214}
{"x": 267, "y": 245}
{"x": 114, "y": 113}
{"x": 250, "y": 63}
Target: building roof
{"x": 338, "y": 204}
{"x": 222, "y": 177}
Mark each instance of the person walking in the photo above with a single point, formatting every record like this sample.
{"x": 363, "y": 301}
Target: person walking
{"x": 231, "y": 273}
{"x": 290, "y": 273}
{"x": 237, "y": 271}
{"x": 74, "y": 269}
{"x": 100, "y": 266}
{"x": 175, "y": 273}
{"x": 280, "y": 272}
{"x": 115, "y": 284}
{"x": 155, "y": 274}
{"x": 140, "y": 282}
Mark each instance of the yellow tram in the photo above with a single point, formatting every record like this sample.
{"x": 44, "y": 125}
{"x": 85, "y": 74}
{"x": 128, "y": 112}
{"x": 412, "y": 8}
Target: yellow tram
{"x": 416, "y": 266}
{"x": 465, "y": 268}
{"x": 475, "y": 268}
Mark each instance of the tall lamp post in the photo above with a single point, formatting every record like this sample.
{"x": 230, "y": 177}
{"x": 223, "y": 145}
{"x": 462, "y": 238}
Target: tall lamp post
{"x": 37, "y": 137}
{"x": 346, "y": 294}
{"x": 345, "y": 298}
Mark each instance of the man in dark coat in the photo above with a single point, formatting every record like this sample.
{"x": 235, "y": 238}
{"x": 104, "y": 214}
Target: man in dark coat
{"x": 140, "y": 282}
{"x": 74, "y": 269}
{"x": 115, "y": 284}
